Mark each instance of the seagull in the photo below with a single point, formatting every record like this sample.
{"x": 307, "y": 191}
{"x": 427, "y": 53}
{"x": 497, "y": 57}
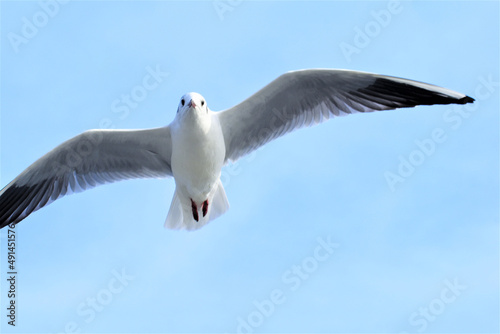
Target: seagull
{"x": 199, "y": 142}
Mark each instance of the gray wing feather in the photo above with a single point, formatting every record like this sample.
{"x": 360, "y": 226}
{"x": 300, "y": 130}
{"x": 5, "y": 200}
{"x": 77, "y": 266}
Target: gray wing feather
{"x": 303, "y": 98}
{"x": 90, "y": 159}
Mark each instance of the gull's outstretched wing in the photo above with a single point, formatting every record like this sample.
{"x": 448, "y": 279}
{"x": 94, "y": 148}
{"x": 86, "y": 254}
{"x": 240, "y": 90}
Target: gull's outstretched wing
{"x": 92, "y": 158}
{"x": 303, "y": 98}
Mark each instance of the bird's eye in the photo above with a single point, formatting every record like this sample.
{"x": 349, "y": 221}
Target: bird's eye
{"x": 202, "y": 103}
{"x": 183, "y": 102}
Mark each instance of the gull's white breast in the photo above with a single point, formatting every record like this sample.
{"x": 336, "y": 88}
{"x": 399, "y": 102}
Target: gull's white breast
{"x": 198, "y": 153}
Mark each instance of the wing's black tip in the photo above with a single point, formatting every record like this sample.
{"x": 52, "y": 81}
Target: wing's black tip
{"x": 15, "y": 204}
{"x": 466, "y": 99}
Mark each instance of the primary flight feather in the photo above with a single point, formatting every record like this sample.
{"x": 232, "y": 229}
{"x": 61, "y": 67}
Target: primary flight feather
{"x": 199, "y": 142}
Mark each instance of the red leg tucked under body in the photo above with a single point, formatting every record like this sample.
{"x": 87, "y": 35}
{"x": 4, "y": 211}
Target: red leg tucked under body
{"x": 204, "y": 208}
{"x": 195, "y": 210}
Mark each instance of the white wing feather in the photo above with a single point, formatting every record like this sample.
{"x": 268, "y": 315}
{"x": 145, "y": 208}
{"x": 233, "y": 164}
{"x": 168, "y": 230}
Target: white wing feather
{"x": 92, "y": 158}
{"x": 303, "y": 98}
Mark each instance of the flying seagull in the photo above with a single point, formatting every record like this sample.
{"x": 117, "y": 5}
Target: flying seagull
{"x": 199, "y": 142}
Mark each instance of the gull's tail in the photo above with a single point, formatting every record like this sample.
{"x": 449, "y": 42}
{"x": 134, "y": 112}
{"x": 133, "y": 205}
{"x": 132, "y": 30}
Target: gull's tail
{"x": 185, "y": 214}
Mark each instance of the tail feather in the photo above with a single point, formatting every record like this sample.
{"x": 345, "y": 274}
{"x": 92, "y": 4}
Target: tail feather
{"x": 175, "y": 213}
{"x": 180, "y": 215}
{"x": 220, "y": 203}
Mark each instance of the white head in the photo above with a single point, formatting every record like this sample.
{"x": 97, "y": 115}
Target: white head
{"x": 192, "y": 102}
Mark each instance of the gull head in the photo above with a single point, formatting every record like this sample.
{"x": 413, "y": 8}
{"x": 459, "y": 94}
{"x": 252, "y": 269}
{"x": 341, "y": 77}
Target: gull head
{"x": 193, "y": 102}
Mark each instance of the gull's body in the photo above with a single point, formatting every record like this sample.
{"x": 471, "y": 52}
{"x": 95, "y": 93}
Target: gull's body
{"x": 198, "y": 143}
{"x": 198, "y": 154}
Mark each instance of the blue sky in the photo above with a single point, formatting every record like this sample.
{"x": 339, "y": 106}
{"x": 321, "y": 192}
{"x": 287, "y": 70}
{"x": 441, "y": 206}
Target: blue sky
{"x": 316, "y": 239}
